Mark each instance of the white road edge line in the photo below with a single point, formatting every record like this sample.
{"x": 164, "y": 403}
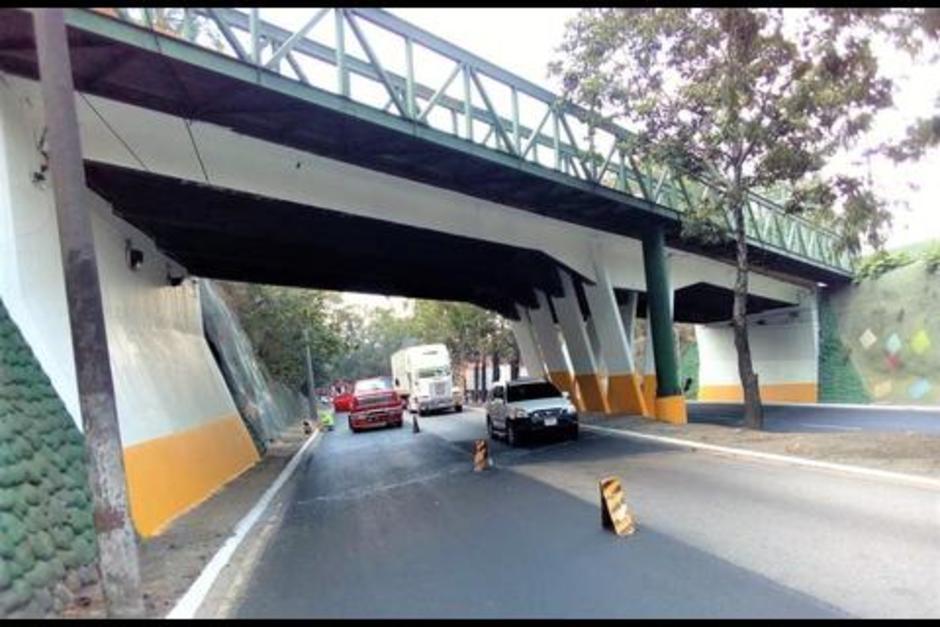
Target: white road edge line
{"x": 189, "y": 603}
{"x": 923, "y": 482}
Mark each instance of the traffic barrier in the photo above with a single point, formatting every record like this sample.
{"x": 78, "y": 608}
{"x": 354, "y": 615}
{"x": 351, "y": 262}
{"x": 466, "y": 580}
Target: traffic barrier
{"x": 481, "y": 456}
{"x": 614, "y": 513}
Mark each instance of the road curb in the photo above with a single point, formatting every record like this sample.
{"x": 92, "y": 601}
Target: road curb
{"x": 924, "y": 409}
{"x": 922, "y": 482}
{"x": 187, "y": 606}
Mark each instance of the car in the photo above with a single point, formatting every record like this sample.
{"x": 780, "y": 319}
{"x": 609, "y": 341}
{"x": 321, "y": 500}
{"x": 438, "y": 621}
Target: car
{"x": 375, "y": 403}
{"x": 521, "y": 407}
{"x": 342, "y": 403}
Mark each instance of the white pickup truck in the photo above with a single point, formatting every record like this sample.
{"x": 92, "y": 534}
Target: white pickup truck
{"x": 522, "y": 407}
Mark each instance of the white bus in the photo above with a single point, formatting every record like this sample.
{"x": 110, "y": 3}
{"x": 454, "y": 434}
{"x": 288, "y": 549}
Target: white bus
{"x": 423, "y": 377}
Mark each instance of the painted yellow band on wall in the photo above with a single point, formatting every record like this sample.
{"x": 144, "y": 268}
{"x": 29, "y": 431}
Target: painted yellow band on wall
{"x": 671, "y": 409}
{"x": 591, "y": 393}
{"x": 781, "y": 392}
{"x": 624, "y": 394}
{"x": 649, "y": 394}
{"x": 169, "y": 475}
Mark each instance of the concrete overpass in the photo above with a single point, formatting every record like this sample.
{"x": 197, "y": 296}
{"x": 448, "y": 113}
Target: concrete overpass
{"x": 252, "y": 163}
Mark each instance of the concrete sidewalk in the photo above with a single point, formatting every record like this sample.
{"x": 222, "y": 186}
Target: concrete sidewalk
{"x": 906, "y": 452}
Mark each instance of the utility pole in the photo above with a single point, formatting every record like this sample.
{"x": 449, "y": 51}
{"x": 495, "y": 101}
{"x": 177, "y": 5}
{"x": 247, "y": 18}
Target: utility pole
{"x": 311, "y": 393}
{"x": 117, "y": 546}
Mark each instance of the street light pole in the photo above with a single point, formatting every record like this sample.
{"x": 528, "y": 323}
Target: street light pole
{"x": 117, "y": 546}
{"x": 311, "y": 394}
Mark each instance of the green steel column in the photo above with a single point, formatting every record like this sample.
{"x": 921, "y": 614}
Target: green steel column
{"x": 670, "y": 404}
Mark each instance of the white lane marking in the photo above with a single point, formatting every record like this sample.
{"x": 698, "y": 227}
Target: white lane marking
{"x": 923, "y": 482}
{"x": 189, "y": 603}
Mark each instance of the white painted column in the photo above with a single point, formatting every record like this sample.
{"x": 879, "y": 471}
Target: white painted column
{"x": 549, "y": 344}
{"x": 528, "y": 347}
{"x": 589, "y": 394}
{"x": 623, "y": 382}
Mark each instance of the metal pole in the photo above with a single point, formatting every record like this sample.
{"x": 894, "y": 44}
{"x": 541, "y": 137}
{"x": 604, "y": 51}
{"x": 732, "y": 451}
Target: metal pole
{"x": 311, "y": 393}
{"x": 117, "y": 546}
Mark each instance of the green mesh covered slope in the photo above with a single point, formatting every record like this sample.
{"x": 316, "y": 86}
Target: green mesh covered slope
{"x": 47, "y": 540}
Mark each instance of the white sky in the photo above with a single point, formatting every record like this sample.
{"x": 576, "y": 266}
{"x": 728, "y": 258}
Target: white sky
{"x": 523, "y": 41}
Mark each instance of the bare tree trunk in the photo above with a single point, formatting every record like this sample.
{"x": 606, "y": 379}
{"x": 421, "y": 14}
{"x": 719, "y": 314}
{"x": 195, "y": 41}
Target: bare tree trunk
{"x": 753, "y": 410}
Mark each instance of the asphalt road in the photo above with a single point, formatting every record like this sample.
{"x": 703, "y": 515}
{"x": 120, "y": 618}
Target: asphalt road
{"x": 395, "y": 524}
{"x": 821, "y": 418}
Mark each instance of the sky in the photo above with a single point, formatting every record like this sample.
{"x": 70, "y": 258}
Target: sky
{"x": 524, "y": 40}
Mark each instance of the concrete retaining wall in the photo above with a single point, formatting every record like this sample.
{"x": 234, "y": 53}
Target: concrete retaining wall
{"x": 784, "y": 349}
{"x": 182, "y": 434}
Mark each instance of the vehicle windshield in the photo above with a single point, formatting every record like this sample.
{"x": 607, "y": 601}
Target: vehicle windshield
{"x": 530, "y": 391}
{"x": 441, "y": 371}
{"x": 373, "y": 385}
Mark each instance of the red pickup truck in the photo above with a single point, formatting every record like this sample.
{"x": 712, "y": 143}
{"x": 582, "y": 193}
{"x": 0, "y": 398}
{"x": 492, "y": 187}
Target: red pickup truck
{"x": 375, "y": 404}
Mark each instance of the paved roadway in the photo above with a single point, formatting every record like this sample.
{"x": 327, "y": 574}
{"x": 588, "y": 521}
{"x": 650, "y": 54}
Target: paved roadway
{"x": 395, "y": 524}
{"x": 821, "y": 418}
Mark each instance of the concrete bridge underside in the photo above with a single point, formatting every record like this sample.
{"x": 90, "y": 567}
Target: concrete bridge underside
{"x": 228, "y": 179}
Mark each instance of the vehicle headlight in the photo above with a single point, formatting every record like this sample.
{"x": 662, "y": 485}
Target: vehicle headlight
{"x": 519, "y": 413}
{"x": 570, "y": 409}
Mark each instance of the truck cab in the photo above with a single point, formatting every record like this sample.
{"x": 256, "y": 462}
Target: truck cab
{"x": 422, "y": 375}
{"x": 375, "y": 403}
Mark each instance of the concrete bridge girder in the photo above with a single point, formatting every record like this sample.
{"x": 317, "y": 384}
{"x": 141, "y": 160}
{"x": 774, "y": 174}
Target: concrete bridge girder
{"x": 254, "y": 166}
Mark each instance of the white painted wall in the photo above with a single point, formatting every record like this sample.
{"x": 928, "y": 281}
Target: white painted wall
{"x": 243, "y": 163}
{"x": 784, "y": 349}
{"x": 165, "y": 377}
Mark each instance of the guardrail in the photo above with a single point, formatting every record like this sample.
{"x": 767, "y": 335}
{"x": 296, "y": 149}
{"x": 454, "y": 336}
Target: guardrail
{"x": 336, "y": 49}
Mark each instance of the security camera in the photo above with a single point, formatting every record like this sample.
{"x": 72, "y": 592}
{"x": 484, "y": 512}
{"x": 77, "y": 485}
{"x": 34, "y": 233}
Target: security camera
{"x": 135, "y": 256}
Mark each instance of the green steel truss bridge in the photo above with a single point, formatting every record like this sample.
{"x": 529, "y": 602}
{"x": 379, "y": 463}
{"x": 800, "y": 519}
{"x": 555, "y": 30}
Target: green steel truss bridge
{"x": 369, "y": 64}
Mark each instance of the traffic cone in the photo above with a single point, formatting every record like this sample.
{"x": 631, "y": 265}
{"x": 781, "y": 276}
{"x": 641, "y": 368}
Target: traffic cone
{"x": 481, "y": 456}
{"x": 614, "y": 512}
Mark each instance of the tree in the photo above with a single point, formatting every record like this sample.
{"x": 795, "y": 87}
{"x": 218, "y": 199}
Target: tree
{"x": 468, "y": 331}
{"x": 275, "y": 319}
{"x": 748, "y": 99}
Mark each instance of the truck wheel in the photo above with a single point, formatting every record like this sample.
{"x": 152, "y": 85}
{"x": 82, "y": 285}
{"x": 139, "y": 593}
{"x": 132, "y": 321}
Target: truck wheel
{"x": 352, "y": 428}
{"x": 458, "y": 408}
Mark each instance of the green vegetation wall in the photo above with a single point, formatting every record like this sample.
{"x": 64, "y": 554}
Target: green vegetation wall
{"x": 889, "y": 328}
{"x": 47, "y": 539}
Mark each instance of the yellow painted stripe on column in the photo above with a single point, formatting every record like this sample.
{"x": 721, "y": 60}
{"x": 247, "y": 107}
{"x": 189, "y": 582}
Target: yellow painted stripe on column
{"x": 649, "y": 394}
{"x": 589, "y": 389}
{"x": 671, "y": 409}
{"x": 624, "y": 394}
{"x": 780, "y": 392}
{"x": 170, "y": 475}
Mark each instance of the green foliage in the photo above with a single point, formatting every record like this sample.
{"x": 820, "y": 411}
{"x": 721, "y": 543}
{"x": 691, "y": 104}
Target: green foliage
{"x": 880, "y": 262}
{"x": 932, "y": 259}
{"x": 348, "y": 342}
{"x": 275, "y": 319}
{"x": 742, "y": 97}
{"x": 467, "y": 330}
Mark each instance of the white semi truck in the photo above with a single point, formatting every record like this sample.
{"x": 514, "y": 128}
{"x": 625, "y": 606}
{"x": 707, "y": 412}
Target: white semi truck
{"x": 422, "y": 377}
